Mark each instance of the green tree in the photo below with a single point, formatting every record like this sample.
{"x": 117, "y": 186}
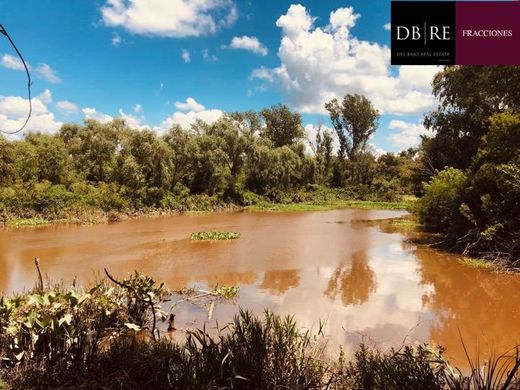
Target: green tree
{"x": 355, "y": 119}
{"x": 54, "y": 164}
{"x": 283, "y": 127}
{"x": 7, "y": 156}
{"x": 468, "y": 96}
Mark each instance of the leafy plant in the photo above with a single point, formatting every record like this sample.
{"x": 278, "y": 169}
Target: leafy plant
{"x": 214, "y": 236}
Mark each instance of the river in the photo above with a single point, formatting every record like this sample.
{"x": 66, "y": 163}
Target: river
{"x": 367, "y": 281}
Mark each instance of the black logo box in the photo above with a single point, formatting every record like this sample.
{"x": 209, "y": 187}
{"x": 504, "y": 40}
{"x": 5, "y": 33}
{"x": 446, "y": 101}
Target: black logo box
{"x": 423, "y": 18}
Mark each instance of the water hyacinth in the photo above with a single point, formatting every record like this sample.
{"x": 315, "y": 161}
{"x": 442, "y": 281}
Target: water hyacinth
{"x": 214, "y": 236}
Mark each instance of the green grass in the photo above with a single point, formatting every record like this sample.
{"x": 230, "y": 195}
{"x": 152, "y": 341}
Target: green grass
{"x": 27, "y": 222}
{"x": 406, "y": 223}
{"x": 339, "y": 204}
{"x": 478, "y": 263}
{"x": 214, "y": 236}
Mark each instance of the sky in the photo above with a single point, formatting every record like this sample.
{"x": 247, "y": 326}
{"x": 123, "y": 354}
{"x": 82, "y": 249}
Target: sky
{"x": 156, "y": 63}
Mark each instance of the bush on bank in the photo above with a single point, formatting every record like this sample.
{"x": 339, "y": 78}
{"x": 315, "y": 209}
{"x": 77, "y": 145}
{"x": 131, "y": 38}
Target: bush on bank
{"x": 478, "y": 210}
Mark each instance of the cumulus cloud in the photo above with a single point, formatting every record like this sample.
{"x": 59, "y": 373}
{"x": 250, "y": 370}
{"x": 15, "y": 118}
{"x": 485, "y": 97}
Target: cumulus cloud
{"x": 47, "y": 73}
{"x": 43, "y": 70}
{"x": 92, "y": 113}
{"x": 188, "y": 113}
{"x": 14, "y": 110}
{"x": 405, "y": 134}
{"x": 170, "y": 18}
{"x": 186, "y": 56}
{"x": 248, "y": 43}
{"x": 319, "y": 63}
{"x": 12, "y": 62}
{"x": 376, "y": 150}
{"x": 46, "y": 96}
{"x": 387, "y": 26}
{"x": 190, "y": 105}
{"x": 137, "y": 108}
{"x": 66, "y": 107}
{"x": 133, "y": 121}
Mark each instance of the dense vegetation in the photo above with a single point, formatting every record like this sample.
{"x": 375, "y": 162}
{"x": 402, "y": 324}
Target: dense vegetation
{"x": 472, "y": 163}
{"x": 242, "y": 159}
{"x": 467, "y": 172}
{"x": 105, "y": 337}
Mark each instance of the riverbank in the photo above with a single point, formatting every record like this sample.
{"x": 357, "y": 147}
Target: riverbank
{"x": 87, "y": 215}
{"x": 45, "y": 342}
{"x": 410, "y": 225}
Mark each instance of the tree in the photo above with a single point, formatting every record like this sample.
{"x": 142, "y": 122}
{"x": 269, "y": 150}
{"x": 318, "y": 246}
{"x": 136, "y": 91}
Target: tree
{"x": 93, "y": 147}
{"x": 6, "y": 162}
{"x": 468, "y": 96}
{"x": 54, "y": 164}
{"x": 323, "y": 155}
{"x": 354, "y": 120}
{"x": 282, "y": 126}
{"x": 183, "y": 149}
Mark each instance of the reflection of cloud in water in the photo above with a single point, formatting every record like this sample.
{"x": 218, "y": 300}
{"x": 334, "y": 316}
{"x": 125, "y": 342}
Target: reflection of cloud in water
{"x": 363, "y": 278}
{"x": 360, "y": 310}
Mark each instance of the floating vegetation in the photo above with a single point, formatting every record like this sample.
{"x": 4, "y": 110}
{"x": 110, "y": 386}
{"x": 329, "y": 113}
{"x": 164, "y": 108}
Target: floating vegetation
{"x": 214, "y": 236}
{"x": 479, "y": 263}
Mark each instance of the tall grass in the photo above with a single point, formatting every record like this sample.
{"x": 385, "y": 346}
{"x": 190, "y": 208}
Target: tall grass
{"x": 95, "y": 339}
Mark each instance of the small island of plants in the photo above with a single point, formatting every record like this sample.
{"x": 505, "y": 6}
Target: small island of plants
{"x": 214, "y": 236}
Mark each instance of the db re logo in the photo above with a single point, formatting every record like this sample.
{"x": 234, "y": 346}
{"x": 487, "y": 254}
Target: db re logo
{"x": 423, "y": 32}
{"x": 426, "y": 33}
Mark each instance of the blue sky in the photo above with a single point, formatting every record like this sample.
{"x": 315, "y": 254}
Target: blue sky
{"x": 159, "y": 62}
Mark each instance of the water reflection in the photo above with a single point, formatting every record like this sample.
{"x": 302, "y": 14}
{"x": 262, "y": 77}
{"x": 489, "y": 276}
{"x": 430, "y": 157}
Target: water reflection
{"x": 278, "y": 282}
{"x": 353, "y": 283}
{"x": 364, "y": 277}
{"x": 480, "y": 307}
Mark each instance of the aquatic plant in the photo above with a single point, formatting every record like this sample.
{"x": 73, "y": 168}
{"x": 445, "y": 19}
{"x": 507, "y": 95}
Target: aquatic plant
{"x": 214, "y": 236}
{"x": 57, "y": 337}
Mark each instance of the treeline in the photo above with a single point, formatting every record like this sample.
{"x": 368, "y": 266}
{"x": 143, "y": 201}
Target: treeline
{"x": 472, "y": 163}
{"x": 240, "y": 159}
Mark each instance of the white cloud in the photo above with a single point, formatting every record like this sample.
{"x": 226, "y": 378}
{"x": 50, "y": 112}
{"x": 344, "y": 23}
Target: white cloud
{"x": 319, "y": 63}
{"x": 14, "y": 110}
{"x": 116, "y": 39}
{"x": 170, "y": 18}
{"x": 206, "y": 56}
{"x": 66, "y": 107}
{"x": 186, "y": 56}
{"x": 376, "y": 150}
{"x": 408, "y": 134}
{"x": 131, "y": 120}
{"x": 46, "y": 72}
{"x": 92, "y": 113}
{"x": 12, "y": 62}
{"x": 188, "y": 113}
{"x": 46, "y": 96}
{"x": 190, "y": 105}
{"x": 43, "y": 70}
{"x": 387, "y": 26}
{"x": 137, "y": 108}
{"x": 248, "y": 43}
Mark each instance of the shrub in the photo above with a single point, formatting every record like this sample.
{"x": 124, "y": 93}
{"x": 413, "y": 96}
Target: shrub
{"x": 439, "y": 206}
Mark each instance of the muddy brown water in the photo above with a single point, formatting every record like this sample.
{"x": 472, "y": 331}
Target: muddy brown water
{"x": 368, "y": 282}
